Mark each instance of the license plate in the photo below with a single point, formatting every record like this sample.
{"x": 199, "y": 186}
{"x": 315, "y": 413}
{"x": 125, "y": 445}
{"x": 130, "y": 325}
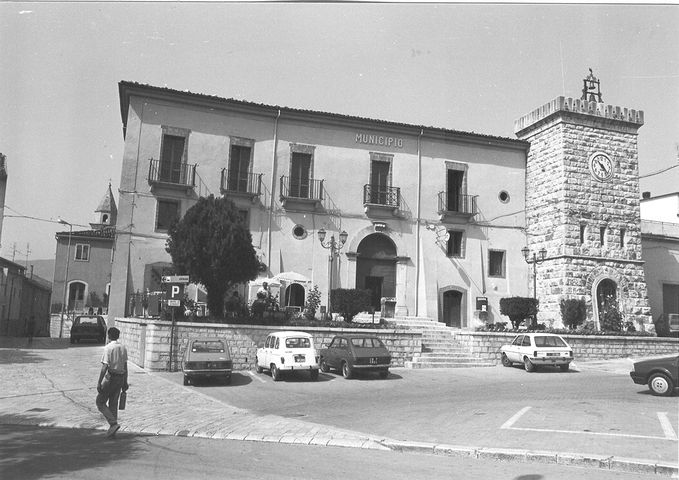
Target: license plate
{"x": 373, "y": 361}
{"x": 553, "y": 354}
{"x": 211, "y": 365}
{"x": 299, "y": 358}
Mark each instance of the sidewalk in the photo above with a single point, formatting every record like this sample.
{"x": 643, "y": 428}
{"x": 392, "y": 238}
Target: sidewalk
{"x": 53, "y": 384}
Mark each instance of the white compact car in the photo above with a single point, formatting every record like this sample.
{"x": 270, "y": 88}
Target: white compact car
{"x": 288, "y": 352}
{"x": 534, "y": 349}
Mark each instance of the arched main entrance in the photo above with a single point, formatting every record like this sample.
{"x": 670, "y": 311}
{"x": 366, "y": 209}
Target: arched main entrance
{"x": 452, "y": 308}
{"x": 294, "y": 295}
{"x": 376, "y": 267}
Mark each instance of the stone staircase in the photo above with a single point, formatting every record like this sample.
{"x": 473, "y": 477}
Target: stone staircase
{"x": 440, "y": 347}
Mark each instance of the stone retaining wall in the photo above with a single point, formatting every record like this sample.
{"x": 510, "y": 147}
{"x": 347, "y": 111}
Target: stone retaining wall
{"x": 148, "y": 340}
{"x": 486, "y": 345}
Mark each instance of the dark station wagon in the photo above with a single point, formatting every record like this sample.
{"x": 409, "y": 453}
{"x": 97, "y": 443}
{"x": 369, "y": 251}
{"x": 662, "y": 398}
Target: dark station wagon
{"x": 356, "y": 353}
{"x": 88, "y": 327}
{"x": 660, "y": 374}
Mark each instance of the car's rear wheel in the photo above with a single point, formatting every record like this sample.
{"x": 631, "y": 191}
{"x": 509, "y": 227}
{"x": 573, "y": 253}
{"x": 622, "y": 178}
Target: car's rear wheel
{"x": 661, "y": 384}
{"x": 528, "y": 365}
{"x": 227, "y": 380}
{"x": 324, "y": 366}
{"x": 186, "y": 380}
{"x": 258, "y": 369}
{"x": 275, "y": 373}
{"x": 347, "y": 371}
{"x": 314, "y": 374}
{"x": 384, "y": 373}
{"x": 505, "y": 360}
{"x": 565, "y": 367}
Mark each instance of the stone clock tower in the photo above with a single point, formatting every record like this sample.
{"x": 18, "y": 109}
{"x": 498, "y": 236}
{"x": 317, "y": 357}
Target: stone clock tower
{"x": 582, "y": 206}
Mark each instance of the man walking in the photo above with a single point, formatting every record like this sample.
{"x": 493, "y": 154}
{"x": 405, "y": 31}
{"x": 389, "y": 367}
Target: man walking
{"x": 112, "y": 380}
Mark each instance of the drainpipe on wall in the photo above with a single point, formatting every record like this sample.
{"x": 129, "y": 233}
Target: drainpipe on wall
{"x": 417, "y": 235}
{"x": 273, "y": 187}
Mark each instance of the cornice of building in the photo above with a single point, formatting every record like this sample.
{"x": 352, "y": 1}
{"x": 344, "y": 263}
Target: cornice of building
{"x": 130, "y": 89}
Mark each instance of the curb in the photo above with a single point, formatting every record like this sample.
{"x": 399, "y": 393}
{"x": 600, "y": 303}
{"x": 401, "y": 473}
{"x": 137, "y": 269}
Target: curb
{"x": 620, "y": 464}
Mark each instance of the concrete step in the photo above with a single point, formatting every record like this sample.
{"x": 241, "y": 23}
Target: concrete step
{"x": 426, "y": 357}
{"x": 417, "y": 364}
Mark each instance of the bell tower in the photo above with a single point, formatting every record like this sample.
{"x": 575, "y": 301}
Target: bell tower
{"x": 107, "y": 212}
{"x": 582, "y": 206}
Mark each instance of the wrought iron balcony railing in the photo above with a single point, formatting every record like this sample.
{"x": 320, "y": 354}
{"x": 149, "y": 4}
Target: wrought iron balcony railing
{"x": 183, "y": 174}
{"x": 457, "y": 204}
{"x": 305, "y": 189}
{"x": 241, "y": 182}
{"x": 381, "y": 195}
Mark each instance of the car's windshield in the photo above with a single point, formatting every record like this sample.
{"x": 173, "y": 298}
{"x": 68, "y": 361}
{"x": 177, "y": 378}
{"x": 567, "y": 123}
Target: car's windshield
{"x": 208, "y": 346}
{"x": 367, "y": 342}
{"x": 548, "y": 341}
{"x": 297, "y": 342}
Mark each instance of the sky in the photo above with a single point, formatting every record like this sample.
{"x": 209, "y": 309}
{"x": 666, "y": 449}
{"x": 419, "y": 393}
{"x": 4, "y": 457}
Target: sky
{"x": 468, "y": 67}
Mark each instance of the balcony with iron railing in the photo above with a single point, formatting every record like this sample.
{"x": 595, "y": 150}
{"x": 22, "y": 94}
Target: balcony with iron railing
{"x": 241, "y": 184}
{"x": 172, "y": 175}
{"x": 380, "y": 200}
{"x": 456, "y": 207}
{"x": 301, "y": 193}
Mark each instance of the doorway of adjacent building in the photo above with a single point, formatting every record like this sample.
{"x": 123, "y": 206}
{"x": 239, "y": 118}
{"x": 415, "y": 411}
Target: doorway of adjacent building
{"x": 76, "y": 296}
{"x": 294, "y": 295}
{"x": 452, "y": 308}
{"x": 376, "y": 267}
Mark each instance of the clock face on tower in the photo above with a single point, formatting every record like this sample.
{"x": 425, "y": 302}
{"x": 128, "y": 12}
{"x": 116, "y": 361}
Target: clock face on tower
{"x": 601, "y": 166}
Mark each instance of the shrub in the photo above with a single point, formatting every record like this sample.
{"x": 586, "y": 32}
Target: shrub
{"x": 313, "y": 300}
{"x": 610, "y": 317}
{"x": 350, "y": 301}
{"x": 519, "y": 309}
{"x": 662, "y": 326}
{"x": 573, "y": 312}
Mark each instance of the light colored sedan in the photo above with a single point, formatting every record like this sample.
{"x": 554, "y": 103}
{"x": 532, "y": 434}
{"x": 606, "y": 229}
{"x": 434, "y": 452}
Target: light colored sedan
{"x": 536, "y": 349}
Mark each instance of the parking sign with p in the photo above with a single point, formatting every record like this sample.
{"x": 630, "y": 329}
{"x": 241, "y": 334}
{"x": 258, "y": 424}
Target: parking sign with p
{"x": 175, "y": 289}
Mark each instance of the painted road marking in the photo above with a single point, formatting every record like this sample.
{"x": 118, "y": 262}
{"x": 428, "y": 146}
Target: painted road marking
{"x": 508, "y": 424}
{"x": 257, "y": 377}
{"x": 666, "y": 426}
{"x": 662, "y": 417}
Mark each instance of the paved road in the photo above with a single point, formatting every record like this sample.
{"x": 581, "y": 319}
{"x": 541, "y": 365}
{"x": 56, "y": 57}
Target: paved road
{"x": 594, "y": 408}
{"x": 450, "y": 412}
{"x": 28, "y": 453}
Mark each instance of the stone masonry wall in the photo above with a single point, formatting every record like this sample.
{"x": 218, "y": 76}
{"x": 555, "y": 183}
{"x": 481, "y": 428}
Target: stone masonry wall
{"x": 562, "y": 196}
{"x": 148, "y": 341}
{"x": 486, "y": 345}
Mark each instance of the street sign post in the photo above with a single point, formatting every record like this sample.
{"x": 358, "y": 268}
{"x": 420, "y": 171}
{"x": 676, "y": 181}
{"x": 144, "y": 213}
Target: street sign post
{"x": 175, "y": 293}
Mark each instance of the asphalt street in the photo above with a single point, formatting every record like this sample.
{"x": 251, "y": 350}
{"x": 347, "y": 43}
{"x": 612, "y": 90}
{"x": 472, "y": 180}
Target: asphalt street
{"x": 593, "y": 417}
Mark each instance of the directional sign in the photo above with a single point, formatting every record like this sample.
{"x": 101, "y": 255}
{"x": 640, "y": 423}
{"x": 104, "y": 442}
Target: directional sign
{"x": 175, "y": 279}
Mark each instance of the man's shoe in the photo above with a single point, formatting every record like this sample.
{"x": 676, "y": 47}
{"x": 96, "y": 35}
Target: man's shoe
{"x": 112, "y": 430}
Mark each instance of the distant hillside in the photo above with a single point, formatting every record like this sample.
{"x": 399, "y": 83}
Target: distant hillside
{"x": 41, "y": 268}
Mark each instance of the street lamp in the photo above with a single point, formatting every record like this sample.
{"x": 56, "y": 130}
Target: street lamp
{"x": 68, "y": 261}
{"x": 334, "y": 248}
{"x": 536, "y": 258}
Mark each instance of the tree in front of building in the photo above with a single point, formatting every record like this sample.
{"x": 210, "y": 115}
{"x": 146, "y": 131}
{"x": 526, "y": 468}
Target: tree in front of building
{"x": 213, "y": 246}
{"x": 350, "y": 301}
{"x": 519, "y": 309}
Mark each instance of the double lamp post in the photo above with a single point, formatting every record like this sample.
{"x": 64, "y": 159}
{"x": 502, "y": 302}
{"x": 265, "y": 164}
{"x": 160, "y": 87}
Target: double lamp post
{"x": 334, "y": 248}
{"x": 534, "y": 258}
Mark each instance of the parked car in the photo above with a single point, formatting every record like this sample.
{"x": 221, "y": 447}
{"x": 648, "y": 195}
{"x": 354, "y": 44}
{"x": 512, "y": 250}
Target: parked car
{"x": 88, "y": 327}
{"x": 207, "y": 358}
{"x": 535, "y": 349}
{"x": 288, "y": 352}
{"x": 354, "y": 353}
{"x": 660, "y": 374}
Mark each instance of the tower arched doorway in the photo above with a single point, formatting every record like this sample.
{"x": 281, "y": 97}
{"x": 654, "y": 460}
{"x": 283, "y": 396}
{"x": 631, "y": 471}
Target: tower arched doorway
{"x": 294, "y": 295}
{"x": 376, "y": 267}
{"x": 606, "y": 294}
